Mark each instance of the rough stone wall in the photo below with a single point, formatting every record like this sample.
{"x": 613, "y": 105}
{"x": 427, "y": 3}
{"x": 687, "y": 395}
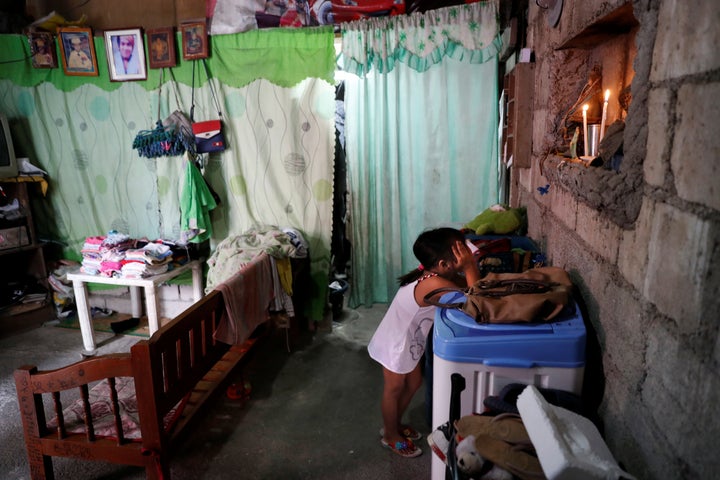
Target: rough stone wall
{"x": 651, "y": 280}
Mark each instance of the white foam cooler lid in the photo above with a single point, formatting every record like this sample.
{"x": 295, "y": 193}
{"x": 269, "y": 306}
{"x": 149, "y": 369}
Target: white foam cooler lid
{"x": 568, "y": 445}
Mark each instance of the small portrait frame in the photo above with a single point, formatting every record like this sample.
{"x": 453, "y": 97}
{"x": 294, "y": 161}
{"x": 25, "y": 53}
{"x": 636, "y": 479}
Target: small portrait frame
{"x": 125, "y": 50}
{"x": 194, "y": 40}
{"x": 42, "y": 49}
{"x": 161, "y": 47}
{"x": 77, "y": 49}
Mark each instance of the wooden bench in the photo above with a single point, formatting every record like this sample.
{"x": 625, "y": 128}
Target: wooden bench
{"x": 181, "y": 364}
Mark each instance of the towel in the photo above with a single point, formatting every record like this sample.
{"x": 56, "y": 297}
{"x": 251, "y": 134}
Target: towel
{"x": 247, "y": 296}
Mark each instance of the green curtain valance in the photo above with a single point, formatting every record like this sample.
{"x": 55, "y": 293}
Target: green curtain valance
{"x": 270, "y": 54}
{"x": 465, "y": 32}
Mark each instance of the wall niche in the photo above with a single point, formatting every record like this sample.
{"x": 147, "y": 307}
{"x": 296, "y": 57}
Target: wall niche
{"x": 598, "y": 58}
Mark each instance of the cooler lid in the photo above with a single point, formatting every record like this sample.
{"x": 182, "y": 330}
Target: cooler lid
{"x": 458, "y": 337}
{"x": 464, "y": 325}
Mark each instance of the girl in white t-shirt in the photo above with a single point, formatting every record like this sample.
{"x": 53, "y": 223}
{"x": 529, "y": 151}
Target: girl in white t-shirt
{"x": 399, "y": 341}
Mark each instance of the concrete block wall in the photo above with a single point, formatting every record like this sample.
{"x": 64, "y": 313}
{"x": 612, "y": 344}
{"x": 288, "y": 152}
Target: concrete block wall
{"x": 651, "y": 285}
{"x": 172, "y": 299}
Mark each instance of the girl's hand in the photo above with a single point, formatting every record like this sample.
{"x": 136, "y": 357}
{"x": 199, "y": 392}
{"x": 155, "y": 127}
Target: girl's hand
{"x": 463, "y": 255}
{"x": 466, "y": 262}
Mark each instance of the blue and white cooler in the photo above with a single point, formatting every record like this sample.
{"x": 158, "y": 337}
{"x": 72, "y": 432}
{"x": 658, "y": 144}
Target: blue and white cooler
{"x": 491, "y": 356}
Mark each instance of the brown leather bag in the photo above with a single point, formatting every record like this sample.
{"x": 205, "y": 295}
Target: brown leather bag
{"x": 536, "y": 295}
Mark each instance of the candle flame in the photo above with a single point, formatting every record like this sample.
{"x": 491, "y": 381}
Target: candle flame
{"x": 607, "y": 95}
{"x": 585, "y": 107}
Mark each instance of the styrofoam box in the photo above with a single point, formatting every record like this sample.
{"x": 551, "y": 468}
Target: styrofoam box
{"x": 491, "y": 356}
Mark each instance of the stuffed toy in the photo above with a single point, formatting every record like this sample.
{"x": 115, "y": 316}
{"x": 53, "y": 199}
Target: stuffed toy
{"x": 498, "y": 219}
{"x": 470, "y": 462}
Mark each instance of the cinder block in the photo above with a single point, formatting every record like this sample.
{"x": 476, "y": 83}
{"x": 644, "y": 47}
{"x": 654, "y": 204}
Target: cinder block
{"x": 656, "y": 164}
{"x": 677, "y": 377}
{"x": 172, "y": 309}
{"x": 185, "y": 293}
{"x": 564, "y": 206}
{"x": 679, "y": 260}
{"x": 168, "y": 293}
{"x": 633, "y": 252}
{"x": 624, "y": 327}
{"x": 687, "y": 39}
{"x": 696, "y": 147}
{"x": 601, "y": 234}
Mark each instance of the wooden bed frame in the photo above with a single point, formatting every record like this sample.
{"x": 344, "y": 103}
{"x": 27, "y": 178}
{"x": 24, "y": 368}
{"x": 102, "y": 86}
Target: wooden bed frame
{"x": 181, "y": 361}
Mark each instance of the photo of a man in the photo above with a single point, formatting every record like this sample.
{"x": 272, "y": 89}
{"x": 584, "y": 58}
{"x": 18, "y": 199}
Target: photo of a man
{"x": 79, "y": 56}
{"x": 125, "y": 55}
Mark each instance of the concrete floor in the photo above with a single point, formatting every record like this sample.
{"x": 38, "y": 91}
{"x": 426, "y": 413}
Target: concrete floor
{"x": 314, "y": 413}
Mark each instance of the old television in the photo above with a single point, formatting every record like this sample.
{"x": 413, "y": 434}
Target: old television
{"x": 8, "y": 162}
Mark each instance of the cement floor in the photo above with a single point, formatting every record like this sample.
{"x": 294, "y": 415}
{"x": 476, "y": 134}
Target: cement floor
{"x": 314, "y": 412}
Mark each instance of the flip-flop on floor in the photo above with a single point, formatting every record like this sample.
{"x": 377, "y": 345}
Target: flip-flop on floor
{"x": 407, "y": 432}
{"x": 405, "y": 449}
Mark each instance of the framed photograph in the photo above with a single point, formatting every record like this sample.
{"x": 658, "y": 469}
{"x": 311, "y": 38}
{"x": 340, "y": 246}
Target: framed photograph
{"x": 125, "y": 54}
{"x": 161, "y": 45}
{"x": 77, "y": 50}
{"x": 194, "y": 40}
{"x": 42, "y": 50}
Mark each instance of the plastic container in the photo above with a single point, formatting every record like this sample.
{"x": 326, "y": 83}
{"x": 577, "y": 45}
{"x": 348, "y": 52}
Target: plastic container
{"x": 523, "y": 253}
{"x": 491, "y": 356}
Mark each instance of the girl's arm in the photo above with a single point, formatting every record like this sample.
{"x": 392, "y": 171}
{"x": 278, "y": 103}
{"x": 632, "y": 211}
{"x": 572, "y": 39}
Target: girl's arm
{"x": 465, "y": 262}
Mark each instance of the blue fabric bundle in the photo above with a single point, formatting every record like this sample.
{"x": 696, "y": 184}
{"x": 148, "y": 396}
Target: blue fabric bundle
{"x": 162, "y": 142}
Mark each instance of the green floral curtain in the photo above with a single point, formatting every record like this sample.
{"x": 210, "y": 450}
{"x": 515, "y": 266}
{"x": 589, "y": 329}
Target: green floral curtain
{"x": 421, "y": 133}
{"x": 277, "y": 99}
{"x": 468, "y": 33}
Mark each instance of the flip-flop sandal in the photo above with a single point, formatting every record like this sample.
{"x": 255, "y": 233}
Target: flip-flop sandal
{"x": 407, "y": 432}
{"x": 506, "y": 426}
{"x": 239, "y": 391}
{"x": 405, "y": 449}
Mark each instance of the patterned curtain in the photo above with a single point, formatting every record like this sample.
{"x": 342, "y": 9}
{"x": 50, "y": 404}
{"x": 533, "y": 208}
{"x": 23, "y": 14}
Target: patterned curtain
{"x": 421, "y": 133}
{"x": 275, "y": 91}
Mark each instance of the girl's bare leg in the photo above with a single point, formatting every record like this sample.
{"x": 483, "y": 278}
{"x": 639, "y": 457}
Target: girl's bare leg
{"x": 393, "y": 390}
{"x": 413, "y": 382}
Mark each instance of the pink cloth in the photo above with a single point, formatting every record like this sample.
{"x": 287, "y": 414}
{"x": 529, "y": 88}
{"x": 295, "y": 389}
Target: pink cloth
{"x": 247, "y": 296}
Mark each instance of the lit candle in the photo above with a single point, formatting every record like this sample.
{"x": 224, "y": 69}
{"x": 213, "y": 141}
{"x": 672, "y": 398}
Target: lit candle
{"x": 604, "y": 114}
{"x": 585, "y": 132}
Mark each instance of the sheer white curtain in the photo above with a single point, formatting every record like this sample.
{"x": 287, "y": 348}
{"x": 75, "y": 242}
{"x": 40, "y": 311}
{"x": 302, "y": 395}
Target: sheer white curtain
{"x": 421, "y": 134}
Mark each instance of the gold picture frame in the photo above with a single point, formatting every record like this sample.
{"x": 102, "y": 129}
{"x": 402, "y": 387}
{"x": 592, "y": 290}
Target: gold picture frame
{"x": 77, "y": 49}
{"x": 194, "y": 40}
{"x": 161, "y": 47}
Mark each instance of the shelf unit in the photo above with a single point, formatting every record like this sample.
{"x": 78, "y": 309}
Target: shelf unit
{"x": 518, "y": 85}
{"x": 22, "y": 258}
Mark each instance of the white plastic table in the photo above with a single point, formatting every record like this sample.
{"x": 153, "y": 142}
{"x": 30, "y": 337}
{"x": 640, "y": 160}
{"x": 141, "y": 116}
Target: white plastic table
{"x": 149, "y": 284}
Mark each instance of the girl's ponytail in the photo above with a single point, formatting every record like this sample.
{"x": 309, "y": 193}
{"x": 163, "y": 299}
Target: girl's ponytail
{"x": 411, "y": 276}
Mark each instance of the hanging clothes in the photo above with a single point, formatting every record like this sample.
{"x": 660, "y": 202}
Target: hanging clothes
{"x": 195, "y": 205}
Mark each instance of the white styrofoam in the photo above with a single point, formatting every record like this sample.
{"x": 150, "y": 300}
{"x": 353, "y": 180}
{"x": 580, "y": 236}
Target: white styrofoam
{"x": 568, "y": 445}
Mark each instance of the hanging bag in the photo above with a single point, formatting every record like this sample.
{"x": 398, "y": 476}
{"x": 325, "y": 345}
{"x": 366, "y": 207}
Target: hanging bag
{"x": 536, "y": 295}
{"x": 170, "y": 137}
{"x": 208, "y": 134}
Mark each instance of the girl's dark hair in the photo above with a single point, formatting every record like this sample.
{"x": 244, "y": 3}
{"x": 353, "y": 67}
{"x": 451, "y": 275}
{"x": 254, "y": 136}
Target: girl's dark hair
{"x": 430, "y": 247}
